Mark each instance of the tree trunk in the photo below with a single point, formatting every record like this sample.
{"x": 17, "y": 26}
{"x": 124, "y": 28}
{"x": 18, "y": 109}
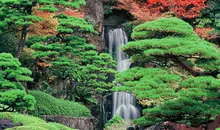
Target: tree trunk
{"x": 73, "y": 85}
{"x": 195, "y": 72}
{"x": 22, "y": 41}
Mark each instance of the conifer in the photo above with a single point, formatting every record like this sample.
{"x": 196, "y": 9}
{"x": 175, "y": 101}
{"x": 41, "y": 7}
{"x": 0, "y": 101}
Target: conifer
{"x": 12, "y": 95}
{"x": 167, "y": 95}
{"x": 74, "y": 60}
{"x": 18, "y": 15}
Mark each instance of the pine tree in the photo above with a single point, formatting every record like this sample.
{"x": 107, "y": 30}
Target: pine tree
{"x": 17, "y": 15}
{"x": 12, "y": 95}
{"x": 190, "y": 96}
{"x": 75, "y": 61}
{"x": 172, "y": 39}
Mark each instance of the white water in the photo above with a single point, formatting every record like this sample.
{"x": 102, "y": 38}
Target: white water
{"x": 123, "y": 103}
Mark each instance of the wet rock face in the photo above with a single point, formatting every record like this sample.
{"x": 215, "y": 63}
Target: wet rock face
{"x": 94, "y": 12}
{"x": 96, "y": 40}
{"x": 94, "y": 9}
{"x": 81, "y": 123}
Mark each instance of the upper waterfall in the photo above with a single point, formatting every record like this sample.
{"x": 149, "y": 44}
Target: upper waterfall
{"x": 116, "y": 39}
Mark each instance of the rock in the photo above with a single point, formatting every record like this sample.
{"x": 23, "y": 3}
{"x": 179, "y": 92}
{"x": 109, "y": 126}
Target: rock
{"x": 5, "y": 123}
{"x": 96, "y": 41}
{"x": 81, "y": 123}
{"x": 130, "y": 128}
{"x": 117, "y": 18}
{"x": 172, "y": 126}
{"x": 94, "y": 10}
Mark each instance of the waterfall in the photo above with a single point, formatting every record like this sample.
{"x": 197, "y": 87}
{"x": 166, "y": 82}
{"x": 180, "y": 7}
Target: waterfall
{"x": 116, "y": 39}
{"x": 124, "y": 104}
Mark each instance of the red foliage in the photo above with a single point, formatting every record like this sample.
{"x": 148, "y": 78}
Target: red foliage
{"x": 74, "y": 12}
{"x": 206, "y": 33}
{"x": 180, "y": 8}
{"x": 48, "y": 26}
{"x": 155, "y": 8}
{"x": 45, "y": 27}
{"x": 138, "y": 9}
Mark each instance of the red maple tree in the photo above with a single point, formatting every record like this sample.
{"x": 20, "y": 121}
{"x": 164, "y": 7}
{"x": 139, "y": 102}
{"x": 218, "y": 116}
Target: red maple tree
{"x": 152, "y": 9}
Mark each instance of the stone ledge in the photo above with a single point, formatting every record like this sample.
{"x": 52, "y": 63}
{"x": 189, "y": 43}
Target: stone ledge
{"x": 81, "y": 123}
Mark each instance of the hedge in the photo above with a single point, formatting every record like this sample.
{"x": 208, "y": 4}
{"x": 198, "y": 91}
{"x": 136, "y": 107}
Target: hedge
{"x": 49, "y": 105}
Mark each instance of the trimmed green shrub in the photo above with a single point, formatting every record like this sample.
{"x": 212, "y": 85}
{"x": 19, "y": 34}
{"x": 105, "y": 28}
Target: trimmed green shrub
{"x": 30, "y": 122}
{"x": 114, "y": 120}
{"x": 12, "y": 95}
{"x": 49, "y": 105}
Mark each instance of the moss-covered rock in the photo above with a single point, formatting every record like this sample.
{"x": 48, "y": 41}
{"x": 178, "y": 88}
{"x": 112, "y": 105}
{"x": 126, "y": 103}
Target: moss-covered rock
{"x": 30, "y": 122}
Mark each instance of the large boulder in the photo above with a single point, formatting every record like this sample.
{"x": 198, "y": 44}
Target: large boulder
{"x": 95, "y": 10}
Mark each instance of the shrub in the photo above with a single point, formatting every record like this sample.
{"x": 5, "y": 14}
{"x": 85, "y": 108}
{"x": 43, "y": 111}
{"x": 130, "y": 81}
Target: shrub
{"x": 116, "y": 123}
{"x": 12, "y": 92}
{"x": 30, "y": 122}
{"x": 49, "y": 105}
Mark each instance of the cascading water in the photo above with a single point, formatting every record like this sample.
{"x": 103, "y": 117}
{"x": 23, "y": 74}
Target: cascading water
{"x": 116, "y": 39}
{"x": 123, "y": 103}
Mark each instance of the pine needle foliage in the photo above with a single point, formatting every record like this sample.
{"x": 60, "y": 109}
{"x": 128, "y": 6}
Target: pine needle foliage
{"x": 150, "y": 85}
{"x": 72, "y": 59}
{"x": 71, "y": 24}
{"x": 168, "y": 37}
{"x": 78, "y": 61}
{"x": 17, "y": 15}
{"x": 164, "y": 95}
{"x": 12, "y": 95}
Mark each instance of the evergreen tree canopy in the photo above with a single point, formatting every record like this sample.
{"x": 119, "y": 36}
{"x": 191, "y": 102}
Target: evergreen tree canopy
{"x": 78, "y": 61}
{"x": 173, "y": 39}
{"x": 167, "y": 95}
{"x": 12, "y": 94}
{"x": 72, "y": 59}
{"x": 151, "y": 86}
{"x": 71, "y": 24}
{"x": 18, "y": 15}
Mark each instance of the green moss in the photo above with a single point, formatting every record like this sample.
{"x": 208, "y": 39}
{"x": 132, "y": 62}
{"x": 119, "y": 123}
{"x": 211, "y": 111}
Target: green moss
{"x": 49, "y": 105}
{"x": 30, "y": 122}
{"x": 19, "y": 118}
